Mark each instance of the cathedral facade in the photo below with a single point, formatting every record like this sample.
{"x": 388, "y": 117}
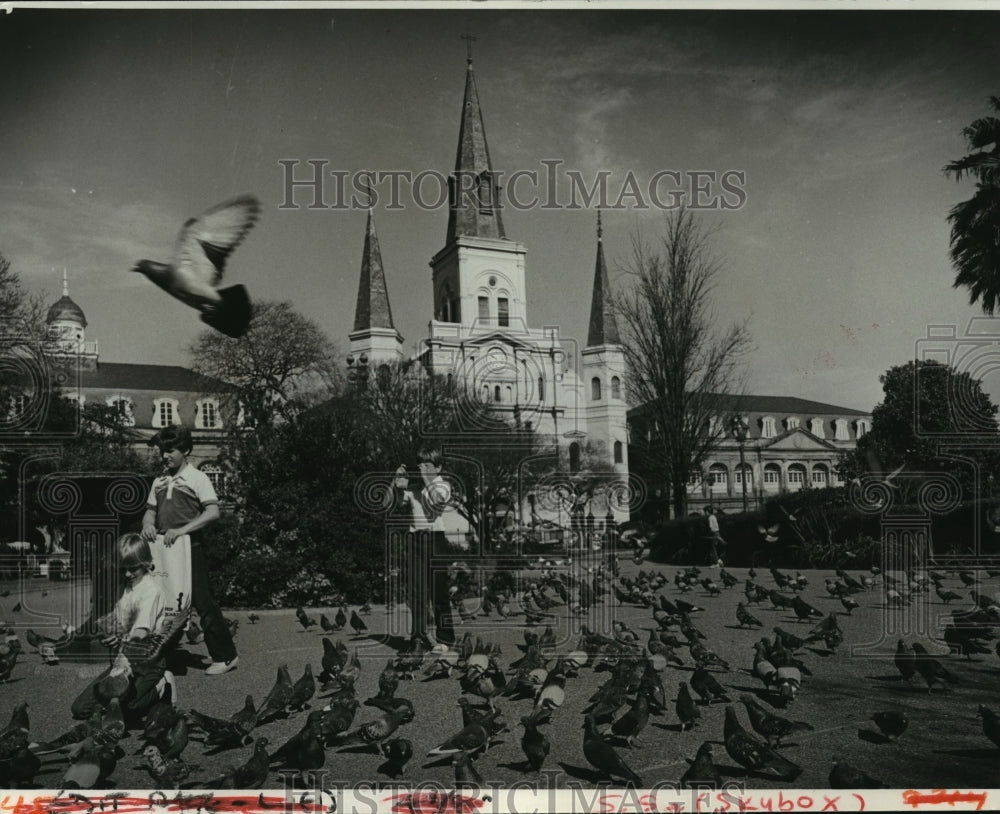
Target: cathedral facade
{"x": 480, "y": 335}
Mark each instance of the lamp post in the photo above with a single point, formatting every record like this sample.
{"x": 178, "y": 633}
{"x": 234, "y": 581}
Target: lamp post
{"x": 739, "y": 428}
{"x": 357, "y": 370}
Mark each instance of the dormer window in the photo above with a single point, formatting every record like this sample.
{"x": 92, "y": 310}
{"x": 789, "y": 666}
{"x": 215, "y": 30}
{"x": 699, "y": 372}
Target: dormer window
{"x": 816, "y": 427}
{"x": 165, "y": 412}
{"x": 863, "y": 427}
{"x": 123, "y": 405}
{"x": 206, "y": 415}
{"x": 768, "y": 428}
{"x": 792, "y": 422}
{"x": 840, "y": 430}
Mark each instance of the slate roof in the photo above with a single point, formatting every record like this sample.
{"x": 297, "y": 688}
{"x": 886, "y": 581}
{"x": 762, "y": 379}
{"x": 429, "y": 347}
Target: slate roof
{"x": 126, "y": 376}
{"x": 777, "y": 406}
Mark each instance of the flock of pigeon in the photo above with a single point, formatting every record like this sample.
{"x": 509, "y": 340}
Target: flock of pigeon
{"x": 660, "y": 672}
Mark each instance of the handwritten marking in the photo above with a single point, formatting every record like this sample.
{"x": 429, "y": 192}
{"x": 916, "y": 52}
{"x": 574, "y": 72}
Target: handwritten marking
{"x": 914, "y": 798}
{"x": 72, "y": 803}
{"x": 433, "y": 802}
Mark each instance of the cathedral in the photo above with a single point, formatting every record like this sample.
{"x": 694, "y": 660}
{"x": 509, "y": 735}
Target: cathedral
{"x": 480, "y": 335}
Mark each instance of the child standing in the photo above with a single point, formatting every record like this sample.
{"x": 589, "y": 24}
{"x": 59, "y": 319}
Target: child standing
{"x": 183, "y": 501}
{"x": 138, "y": 616}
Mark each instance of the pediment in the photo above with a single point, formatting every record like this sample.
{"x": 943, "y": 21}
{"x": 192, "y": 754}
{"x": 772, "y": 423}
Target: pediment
{"x": 497, "y": 338}
{"x": 799, "y": 440}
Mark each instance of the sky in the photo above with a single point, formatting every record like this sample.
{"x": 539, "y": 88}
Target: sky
{"x": 834, "y": 126}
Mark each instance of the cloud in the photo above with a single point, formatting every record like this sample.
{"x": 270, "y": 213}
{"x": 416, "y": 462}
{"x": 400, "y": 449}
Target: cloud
{"x": 49, "y": 226}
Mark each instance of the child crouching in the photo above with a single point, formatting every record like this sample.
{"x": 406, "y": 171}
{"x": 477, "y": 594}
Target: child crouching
{"x": 133, "y": 628}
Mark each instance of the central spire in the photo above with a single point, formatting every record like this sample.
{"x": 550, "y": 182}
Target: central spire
{"x": 473, "y": 191}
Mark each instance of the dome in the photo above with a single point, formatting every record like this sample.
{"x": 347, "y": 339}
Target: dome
{"x": 65, "y": 310}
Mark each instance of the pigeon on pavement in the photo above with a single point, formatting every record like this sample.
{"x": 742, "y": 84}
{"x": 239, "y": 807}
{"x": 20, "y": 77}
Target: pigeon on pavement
{"x": 702, "y": 771}
{"x": 398, "y": 752}
{"x": 603, "y": 757}
{"x": 991, "y": 724}
{"x": 931, "y": 670}
{"x": 771, "y": 726}
{"x": 845, "y": 776}
{"x": 905, "y": 660}
{"x": 200, "y": 253}
{"x": 303, "y": 690}
{"x": 278, "y": 698}
{"x": 534, "y": 743}
{"x": 892, "y": 724}
{"x": 752, "y": 754}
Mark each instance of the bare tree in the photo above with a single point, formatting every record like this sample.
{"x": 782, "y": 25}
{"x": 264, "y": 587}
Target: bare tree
{"x": 683, "y": 370}
{"x": 282, "y": 364}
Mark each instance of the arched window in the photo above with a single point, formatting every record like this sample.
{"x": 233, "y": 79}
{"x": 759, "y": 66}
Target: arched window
{"x": 796, "y": 477}
{"x": 772, "y": 477}
{"x": 496, "y": 393}
{"x": 503, "y": 312}
{"x": 486, "y": 393}
{"x": 718, "y": 476}
{"x": 508, "y": 394}
{"x": 820, "y": 476}
{"x": 541, "y": 389}
{"x": 574, "y": 457}
{"x": 618, "y": 452}
{"x": 616, "y": 387}
{"x": 744, "y": 472}
{"x": 595, "y": 389}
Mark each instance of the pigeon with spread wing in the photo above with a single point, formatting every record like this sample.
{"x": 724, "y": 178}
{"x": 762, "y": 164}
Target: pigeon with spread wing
{"x": 203, "y": 246}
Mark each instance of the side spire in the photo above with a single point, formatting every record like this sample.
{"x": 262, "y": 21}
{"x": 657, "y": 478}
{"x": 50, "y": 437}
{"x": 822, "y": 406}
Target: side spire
{"x": 603, "y": 323}
{"x": 473, "y": 191}
{"x": 372, "y": 310}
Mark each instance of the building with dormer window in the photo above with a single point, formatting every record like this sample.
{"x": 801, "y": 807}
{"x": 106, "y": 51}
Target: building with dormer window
{"x": 148, "y": 397}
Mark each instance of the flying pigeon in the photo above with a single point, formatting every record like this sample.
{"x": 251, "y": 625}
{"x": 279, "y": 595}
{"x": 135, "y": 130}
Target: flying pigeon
{"x": 203, "y": 246}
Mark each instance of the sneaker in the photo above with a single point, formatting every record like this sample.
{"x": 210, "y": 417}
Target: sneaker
{"x": 217, "y": 668}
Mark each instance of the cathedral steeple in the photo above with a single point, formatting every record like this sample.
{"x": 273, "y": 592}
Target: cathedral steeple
{"x": 372, "y": 310}
{"x": 473, "y": 191}
{"x": 603, "y": 323}
{"x": 374, "y": 333}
